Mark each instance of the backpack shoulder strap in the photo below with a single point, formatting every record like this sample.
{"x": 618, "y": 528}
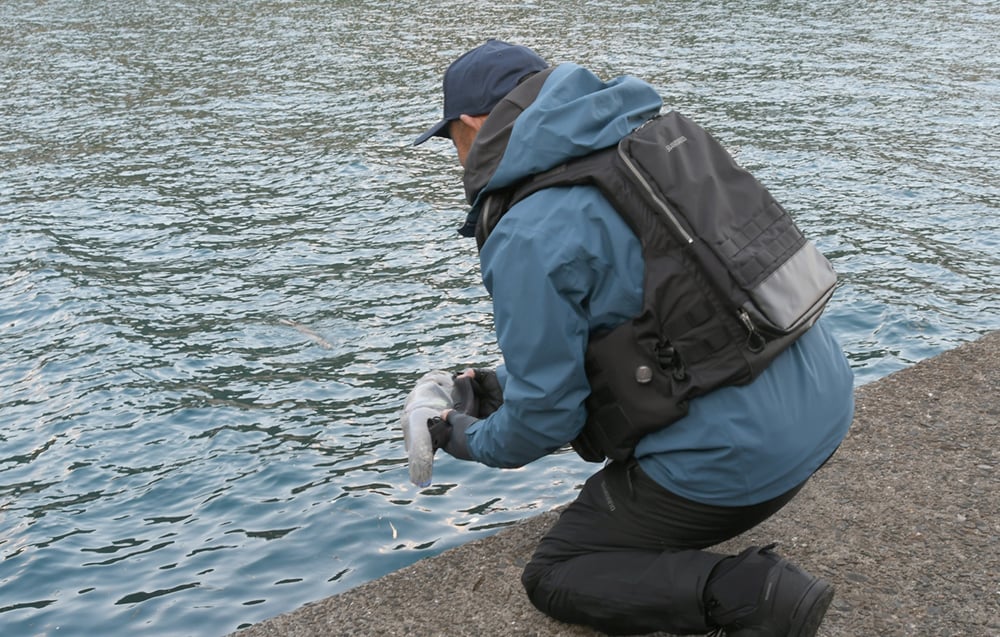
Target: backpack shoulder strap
{"x": 582, "y": 170}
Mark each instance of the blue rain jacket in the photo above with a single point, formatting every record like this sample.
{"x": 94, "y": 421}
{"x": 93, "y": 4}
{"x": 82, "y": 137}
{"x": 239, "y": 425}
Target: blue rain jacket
{"x": 562, "y": 264}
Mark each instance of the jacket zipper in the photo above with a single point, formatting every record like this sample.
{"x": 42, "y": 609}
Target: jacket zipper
{"x": 485, "y": 213}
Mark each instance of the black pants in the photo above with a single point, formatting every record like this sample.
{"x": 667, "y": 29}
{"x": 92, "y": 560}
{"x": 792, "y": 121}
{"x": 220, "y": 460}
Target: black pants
{"x": 625, "y": 557}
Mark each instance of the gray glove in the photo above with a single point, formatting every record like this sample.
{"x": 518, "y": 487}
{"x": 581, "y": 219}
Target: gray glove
{"x": 475, "y": 397}
{"x": 450, "y": 434}
{"x": 479, "y": 395}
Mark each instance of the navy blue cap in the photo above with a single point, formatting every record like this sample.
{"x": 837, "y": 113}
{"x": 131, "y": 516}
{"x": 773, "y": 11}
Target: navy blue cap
{"x": 477, "y": 81}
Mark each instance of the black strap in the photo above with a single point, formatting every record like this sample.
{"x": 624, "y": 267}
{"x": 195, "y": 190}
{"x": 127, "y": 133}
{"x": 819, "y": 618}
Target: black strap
{"x": 575, "y": 172}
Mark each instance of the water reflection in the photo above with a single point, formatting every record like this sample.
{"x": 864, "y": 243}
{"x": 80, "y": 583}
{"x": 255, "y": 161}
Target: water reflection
{"x": 222, "y": 267}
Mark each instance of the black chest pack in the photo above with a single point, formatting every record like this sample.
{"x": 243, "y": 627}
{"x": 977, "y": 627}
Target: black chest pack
{"x": 730, "y": 281}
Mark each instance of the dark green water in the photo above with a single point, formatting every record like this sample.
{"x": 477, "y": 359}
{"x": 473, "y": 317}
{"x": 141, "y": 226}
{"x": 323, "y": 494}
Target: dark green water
{"x": 222, "y": 266}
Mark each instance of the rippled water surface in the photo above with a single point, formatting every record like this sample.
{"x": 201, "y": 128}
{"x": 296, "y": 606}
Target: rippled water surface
{"x": 222, "y": 267}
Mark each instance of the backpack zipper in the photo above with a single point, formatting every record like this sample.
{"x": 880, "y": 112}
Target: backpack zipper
{"x": 755, "y": 340}
{"x": 667, "y": 212}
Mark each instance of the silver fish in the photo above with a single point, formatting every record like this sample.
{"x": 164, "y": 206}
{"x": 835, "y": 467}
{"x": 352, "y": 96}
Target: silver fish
{"x": 430, "y": 396}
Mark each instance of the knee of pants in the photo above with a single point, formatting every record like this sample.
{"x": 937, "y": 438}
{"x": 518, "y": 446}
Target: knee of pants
{"x": 532, "y": 575}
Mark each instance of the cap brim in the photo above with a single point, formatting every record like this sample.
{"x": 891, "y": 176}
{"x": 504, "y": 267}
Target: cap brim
{"x": 437, "y": 130}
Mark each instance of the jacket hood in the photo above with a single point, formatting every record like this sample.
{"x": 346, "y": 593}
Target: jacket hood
{"x": 559, "y": 114}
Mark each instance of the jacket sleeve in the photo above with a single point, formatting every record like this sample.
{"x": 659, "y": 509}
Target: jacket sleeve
{"x": 541, "y": 271}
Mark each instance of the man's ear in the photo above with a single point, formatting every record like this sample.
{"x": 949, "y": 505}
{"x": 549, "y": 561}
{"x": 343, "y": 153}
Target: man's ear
{"x": 475, "y": 122}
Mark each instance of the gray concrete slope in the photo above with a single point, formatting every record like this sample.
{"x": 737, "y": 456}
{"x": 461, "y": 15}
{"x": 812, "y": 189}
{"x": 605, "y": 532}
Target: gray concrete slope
{"x": 904, "y": 520}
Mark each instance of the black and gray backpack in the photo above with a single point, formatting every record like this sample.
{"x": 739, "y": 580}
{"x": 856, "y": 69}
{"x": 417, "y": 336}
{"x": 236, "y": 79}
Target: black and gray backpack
{"x": 730, "y": 281}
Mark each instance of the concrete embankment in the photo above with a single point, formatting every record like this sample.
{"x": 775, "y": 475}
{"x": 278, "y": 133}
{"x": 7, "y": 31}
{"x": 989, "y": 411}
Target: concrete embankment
{"x": 904, "y": 520}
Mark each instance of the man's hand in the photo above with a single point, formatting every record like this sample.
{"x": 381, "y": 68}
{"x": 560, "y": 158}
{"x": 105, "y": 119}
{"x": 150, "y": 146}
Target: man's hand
{"x": 440, "y": 432}
{"x": 477, "y": 392}
{"x": 448, "y": 433}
